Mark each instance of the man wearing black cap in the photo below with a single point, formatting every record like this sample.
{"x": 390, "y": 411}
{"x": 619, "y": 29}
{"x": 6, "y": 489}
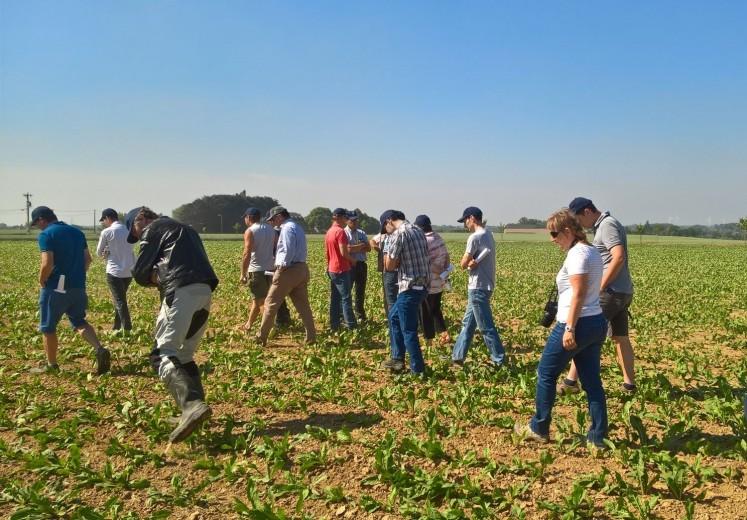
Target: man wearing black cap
{"x": 616, "y": 294}
{"x": 120, "y": 259}
{"x": 291, "y": 276}
{"x": 479, "y": 260}
{"x": 408, "y": 255}
{"x": 65, "y": 259}
{"x": 339, "y": 264}
{"x": 257, "y": 260}
{"x": 173, "y": 259}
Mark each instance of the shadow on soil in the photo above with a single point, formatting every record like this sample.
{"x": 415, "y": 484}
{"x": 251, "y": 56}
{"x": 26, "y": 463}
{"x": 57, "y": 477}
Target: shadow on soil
{"x": 330, "y": 421}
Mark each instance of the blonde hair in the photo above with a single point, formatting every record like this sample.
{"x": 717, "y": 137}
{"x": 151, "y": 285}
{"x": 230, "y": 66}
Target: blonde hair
{"x": 565, "y": 219}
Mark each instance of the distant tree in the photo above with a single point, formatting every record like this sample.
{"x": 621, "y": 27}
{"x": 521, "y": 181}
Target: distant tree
{"x": 367, "y": 223}
{"x": 319, "y": 219}
{"x": 300, "y": 221}
{"x": 236, "y": 227}
{"x": 641, "y": 230}
{"x": 743, "y": 225}
{"x": 203, "y": 212}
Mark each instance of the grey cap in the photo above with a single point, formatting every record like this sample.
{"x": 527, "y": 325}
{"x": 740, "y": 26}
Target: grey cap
{"x": 277, "y": 210}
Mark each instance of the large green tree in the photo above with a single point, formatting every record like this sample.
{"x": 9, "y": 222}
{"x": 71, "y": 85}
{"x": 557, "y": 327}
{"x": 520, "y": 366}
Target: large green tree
{"x": 207, "y": 214}
{"x": 319, "y": 219}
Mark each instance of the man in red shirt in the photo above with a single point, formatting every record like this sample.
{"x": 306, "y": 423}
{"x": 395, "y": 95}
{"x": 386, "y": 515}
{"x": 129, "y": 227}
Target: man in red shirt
{"x": 339, "y": 263}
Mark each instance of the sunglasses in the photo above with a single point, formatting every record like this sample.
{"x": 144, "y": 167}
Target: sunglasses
{"x": 554, "y": 234}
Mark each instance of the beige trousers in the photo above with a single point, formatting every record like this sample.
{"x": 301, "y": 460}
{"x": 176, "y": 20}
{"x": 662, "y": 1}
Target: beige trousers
{"x": 293, "y": 282}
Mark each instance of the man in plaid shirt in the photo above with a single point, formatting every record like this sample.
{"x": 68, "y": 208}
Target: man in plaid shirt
{"x": 408, "y": 255}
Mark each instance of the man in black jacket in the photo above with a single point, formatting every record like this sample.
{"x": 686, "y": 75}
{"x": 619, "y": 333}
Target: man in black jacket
{"x": 173, "y": 259}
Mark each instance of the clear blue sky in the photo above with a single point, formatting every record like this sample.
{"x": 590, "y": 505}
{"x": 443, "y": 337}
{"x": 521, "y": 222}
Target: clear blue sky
{"x": 424, "y": 106}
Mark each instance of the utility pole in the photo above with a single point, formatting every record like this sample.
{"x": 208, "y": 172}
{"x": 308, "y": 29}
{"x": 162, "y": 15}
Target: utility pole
{"x": 94, "y": 221}
{"x": 28, "y": 208}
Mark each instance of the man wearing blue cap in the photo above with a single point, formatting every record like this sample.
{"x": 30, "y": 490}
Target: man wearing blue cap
{"x": 257, "y": 260}
{"x": 408, "y": 255}
{"x": 479, "y": 260}
{"x": 120, "y": 259}
{"x": 358, "y": 246}
{"x": 616, "y": 295}
{"x": 339, "y": 264}
{"x": 173, "y": 259}
{"x": 65, "y": 259}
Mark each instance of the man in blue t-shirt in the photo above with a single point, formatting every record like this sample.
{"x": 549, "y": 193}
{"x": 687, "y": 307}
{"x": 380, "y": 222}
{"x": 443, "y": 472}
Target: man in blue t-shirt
{"x": 62, "y": 277}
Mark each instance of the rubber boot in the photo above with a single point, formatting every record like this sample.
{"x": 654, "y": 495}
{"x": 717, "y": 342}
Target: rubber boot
{"x": 188, "y": 394}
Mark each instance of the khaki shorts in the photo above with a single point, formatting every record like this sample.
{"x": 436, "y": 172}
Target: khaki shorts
{"x": 259, "y": 284}
{"x": 615, "y": 309}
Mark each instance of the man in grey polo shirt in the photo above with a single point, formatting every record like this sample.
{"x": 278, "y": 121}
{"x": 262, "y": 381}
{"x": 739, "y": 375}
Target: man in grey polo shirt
{"x": 616, "y": 295}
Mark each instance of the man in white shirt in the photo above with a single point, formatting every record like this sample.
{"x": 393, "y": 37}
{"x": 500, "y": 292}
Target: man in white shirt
{"x": 120, "y": 259}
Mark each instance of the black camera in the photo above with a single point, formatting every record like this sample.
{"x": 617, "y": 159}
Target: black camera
{"x": 551, "y": 309}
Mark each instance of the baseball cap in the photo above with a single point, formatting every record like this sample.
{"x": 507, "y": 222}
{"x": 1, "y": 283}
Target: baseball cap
{"x": 423, "y": 222}
{"x": 352, "y": 215}
{"x": 339, "y": 212}
{"x": 252, "y": 212}
{"x": 471, "y": 211}
{"x": 109, "y": 213}
{"x": 42, "y": 212}
{"x": 129, "y": 222}
{"x": 276, "y": 210}
{"x": 579, "y": 204}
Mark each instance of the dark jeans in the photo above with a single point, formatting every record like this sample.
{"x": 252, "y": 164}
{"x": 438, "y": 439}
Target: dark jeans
{"x": 340, "y": 299}
{"x": 118, "y": 288}
{"x": 359, "y": 276}
{"x": 390, "y": 289}
{"x": 431, "y": 316}
{"x": 403, "y": 328}
{"x": 283, "y": 318}
{"x": 590, "y": 334}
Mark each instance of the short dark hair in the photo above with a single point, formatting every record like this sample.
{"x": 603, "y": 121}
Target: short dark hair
{"x": 397, "y": 215}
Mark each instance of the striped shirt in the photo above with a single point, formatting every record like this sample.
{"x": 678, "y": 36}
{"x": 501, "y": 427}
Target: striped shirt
{"x": 409, "y": 245}
{"x": 438, "y": 256}
{"x": 585, "y": 260}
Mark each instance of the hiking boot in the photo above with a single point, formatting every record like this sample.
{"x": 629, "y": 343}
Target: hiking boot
{"x": 45, "y": 368}
{"x": 393, "y": 365}
{"x": 103, "y": 361}
{"x": 628, "y": 388}
{"x": 565, "y": 388}
{"x": 526, "y": 432}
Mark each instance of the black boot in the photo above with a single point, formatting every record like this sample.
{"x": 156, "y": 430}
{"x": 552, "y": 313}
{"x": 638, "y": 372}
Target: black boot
{"x": 188, "y": 394}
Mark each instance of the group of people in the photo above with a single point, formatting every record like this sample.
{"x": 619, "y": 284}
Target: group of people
{"x": 594, "y": 293}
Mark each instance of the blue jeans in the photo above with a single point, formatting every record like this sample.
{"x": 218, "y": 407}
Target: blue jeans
{"x": 590, "y": 334}
{"x": 478, "y": 315}
{"x": 340, "y": 296}
{"x": 389, "y": 279}
{"x": 403, "y": 328}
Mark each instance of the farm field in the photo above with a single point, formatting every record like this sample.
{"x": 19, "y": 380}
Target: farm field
{"x": 320, "y": 432}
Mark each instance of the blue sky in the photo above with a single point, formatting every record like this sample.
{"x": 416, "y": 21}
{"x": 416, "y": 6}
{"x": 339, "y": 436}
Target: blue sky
{"x": 424, "y": 106}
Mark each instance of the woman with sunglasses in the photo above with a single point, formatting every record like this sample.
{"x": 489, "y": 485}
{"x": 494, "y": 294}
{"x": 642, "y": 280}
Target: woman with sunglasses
{"x": 577, "y": 335}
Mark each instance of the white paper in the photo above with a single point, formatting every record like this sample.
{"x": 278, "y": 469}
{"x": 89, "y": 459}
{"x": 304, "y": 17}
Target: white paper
{"x": 61, "y": 284}
{"x": 483, "y": 254}
{"x": 269, "y": 273}
{"x": 444, "y": 275}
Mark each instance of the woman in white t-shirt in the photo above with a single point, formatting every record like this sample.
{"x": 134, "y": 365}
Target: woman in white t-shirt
{"x": 578, "y": 334}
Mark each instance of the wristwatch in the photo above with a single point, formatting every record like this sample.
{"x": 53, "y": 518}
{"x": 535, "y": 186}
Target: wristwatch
{"x": 570, "y": 329}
